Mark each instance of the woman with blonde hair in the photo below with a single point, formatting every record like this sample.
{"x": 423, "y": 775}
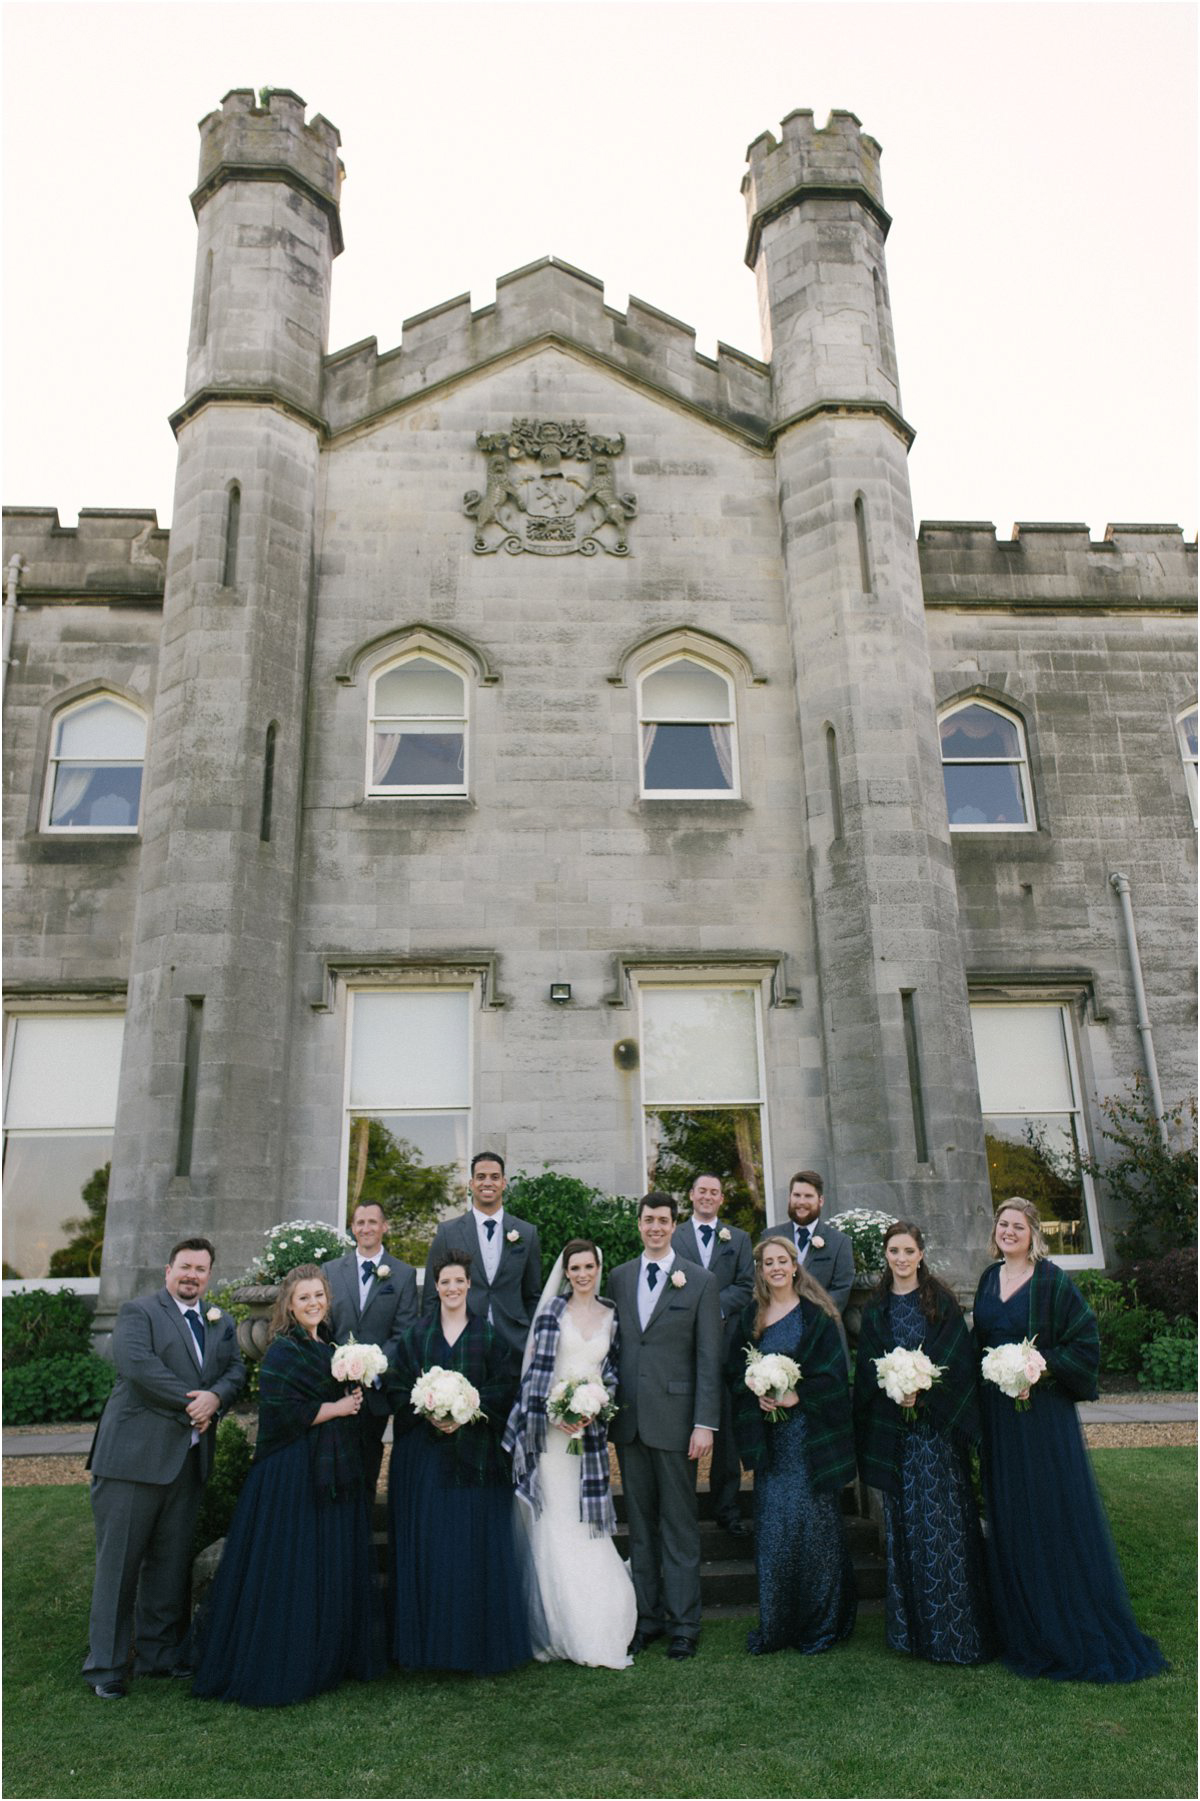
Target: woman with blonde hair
{"x": 800, "y": 1445}
{"x": 1058, "y": 1594}
{"x": 295, "y": 1606}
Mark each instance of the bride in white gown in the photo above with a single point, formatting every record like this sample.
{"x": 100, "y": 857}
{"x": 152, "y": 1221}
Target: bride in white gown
{"x": 584, "y": 1597}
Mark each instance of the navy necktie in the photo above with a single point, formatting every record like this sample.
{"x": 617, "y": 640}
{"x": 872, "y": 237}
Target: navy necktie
{"x": 652, "y": 1274}
{"x": 706, "y": 1233}
{"x": 490, "y": 1229}
{"x": 193, "y": 1320}
{"x": 368, "y": 1268}
{"x": 802, "y": 1237}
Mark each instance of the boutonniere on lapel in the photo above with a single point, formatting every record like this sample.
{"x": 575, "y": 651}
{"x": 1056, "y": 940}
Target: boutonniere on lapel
{"x": 213, "y": 1315}
{"x": 513, "y": 1237}
{"x": 678, "y": 1279}
{"x": 818, "y": 1244}
{"x": 724, "y": 1235}
{"x": 382, "y": 1271}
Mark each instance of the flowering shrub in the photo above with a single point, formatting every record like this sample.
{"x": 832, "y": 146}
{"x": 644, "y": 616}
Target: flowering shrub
{"x": 865, "y": 1227}
{"x": 297, "y": 1241}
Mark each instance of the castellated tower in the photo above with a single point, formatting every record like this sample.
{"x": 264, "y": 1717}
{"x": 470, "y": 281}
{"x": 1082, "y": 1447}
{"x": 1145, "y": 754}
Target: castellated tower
{"x": 197, "y": 1145}
{"x": 903, "y": 1112}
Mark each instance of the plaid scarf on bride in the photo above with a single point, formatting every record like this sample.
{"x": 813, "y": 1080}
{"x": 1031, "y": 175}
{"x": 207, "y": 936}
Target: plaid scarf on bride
{"x": 525, "y": 1434}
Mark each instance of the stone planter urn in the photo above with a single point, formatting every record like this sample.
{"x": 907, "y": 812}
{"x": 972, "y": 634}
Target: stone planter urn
{"x": 253, "y": 1333}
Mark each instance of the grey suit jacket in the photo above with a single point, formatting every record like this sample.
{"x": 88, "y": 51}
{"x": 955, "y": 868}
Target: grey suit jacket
{"x": 669, "y": 1376}
{"x": 518, "y": 1285}
{"x": 731, "y": 1266}
{"x": 832, "y": 1266}
{"x": 388, "y": 1307}
{"x": 144, "y": 1434}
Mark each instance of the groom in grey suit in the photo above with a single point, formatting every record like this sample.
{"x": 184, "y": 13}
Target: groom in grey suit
{"x": 506, "y": 1257}
{"x": 374, "y": 1299}
{"x": 177, "y": 1367}
{"x": 669, "y": 1401}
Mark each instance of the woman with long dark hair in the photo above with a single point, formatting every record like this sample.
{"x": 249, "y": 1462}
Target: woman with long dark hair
{"x": 800, "y": 1445}
{"x": 936, "y": 1588}
{"x": 295, "y": 1607}
{"x": 1062, "y": 1609}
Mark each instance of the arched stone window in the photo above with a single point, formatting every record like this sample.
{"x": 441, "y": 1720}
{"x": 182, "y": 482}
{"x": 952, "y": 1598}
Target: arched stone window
{"x": 94, "y": 777}
{"x": 418, "y": 727}
{"x": 986, "y": 769}
{"x": 688, "y": 726}
{"x": 1185, "y": 726}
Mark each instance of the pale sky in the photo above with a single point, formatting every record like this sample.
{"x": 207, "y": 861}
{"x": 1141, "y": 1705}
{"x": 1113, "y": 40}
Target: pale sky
{"x": 1039, "y": 162}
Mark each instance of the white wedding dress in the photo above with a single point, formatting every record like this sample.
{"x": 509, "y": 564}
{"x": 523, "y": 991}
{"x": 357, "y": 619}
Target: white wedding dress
{"x": 589, "y": 1613}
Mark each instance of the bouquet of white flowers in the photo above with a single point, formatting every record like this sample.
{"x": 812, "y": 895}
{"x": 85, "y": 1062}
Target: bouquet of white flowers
{"x": 353, "y": 1362}
{"x": 575, "y": 1399}
{"x": 446, "y": 1395}
{"x": 1014, "y": 1368}
{"x": 902, "y": 1372}
{"x": 770, "y": 1373}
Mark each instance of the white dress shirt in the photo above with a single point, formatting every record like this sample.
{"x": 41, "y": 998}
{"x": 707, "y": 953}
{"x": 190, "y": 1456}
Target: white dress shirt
{"x": 706, "y": 1250}
{"x": 491, "y": 1246}
{"x": 186, "y": 1307}
{"x": 647, "y": 1296}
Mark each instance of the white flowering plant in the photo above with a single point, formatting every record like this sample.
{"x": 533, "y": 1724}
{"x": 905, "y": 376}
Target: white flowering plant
{"x": 865, "y": 1227}
{"x": 297, "y": 1241}
{"x": 441, "y": 1395}
{"x": 1013, "y": 1369}
{"x": 903, "y": 1372}
{"x": 354, "y": 1362}
{"x": 574, "y": 1401}
{"x": 770, "y": 1373}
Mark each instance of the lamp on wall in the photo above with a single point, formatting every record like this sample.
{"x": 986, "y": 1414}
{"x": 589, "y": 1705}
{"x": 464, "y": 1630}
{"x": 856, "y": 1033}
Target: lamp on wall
{"x": 560, "y": 993}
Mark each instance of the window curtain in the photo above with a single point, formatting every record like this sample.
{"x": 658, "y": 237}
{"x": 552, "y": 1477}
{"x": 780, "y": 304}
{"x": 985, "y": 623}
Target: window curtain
{"x": 386, "y": 746}
{"x": 722, "y": 743}
{"x": 70, "y": 788}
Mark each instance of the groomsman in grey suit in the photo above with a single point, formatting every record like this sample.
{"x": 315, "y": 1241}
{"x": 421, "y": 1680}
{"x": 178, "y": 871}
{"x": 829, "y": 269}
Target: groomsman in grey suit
{"x": 177, "y": 1367}
{"x": 374, "y": 1299}
{"x": 726, "y": 1253}
{"x": 826, "y": 1253}
{"x": 506, "y": 1258}
{"x": 669, "y": 1404}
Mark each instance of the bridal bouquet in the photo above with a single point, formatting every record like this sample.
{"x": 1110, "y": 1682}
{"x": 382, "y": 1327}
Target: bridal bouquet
{"x": 771, "y": 1373}
{"x": 353, "y": 1362}
{"x": 1013, "y": 1368}
{"x": 902, "y": 1372}
{"x": 576, "y": 1399}
{"x": 441, "y": 1394}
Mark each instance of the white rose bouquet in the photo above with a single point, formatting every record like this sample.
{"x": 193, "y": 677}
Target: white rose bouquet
{"x": 441, "y": 1395}
{"x": 1013, "y": 1368}
{"x": 575, "y": 1400}
{"x": 769, "y": 1373}
{"x": 353, "y": 1362}
{"x": 902, "y": 1372}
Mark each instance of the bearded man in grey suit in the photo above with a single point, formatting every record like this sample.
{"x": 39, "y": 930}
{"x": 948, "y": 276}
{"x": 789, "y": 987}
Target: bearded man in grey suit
{"x": 669, "y": 1405}
{"x": 374, "y": 1299}
{"x": 826, "y": 1254}
{"x": 178, "y": 1367}
{"x": 725, "y": 1252}
{"x": 506, "y": 1257}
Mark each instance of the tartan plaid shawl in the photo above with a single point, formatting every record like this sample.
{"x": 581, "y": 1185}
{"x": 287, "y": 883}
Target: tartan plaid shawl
{"x": 950, "y": 1406}
{"x": 472, "y": 1454}
{"x": 525, "y": 1434}
{"x": 1064, "y": 1326}
{"x": 824, "y": 1395}
{"x": 294, "y": 1381}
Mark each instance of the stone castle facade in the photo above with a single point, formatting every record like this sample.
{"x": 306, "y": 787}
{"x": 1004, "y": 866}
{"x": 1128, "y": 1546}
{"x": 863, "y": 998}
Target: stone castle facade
{"x": 543, "y": 737}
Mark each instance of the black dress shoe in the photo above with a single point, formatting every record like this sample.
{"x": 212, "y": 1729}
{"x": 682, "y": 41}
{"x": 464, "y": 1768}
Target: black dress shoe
{"x": 734, "y": 1523}
{"x": 640, "y": 1641}
{"x": 679, "y": 1648}
{"x": 109, "y": 1691}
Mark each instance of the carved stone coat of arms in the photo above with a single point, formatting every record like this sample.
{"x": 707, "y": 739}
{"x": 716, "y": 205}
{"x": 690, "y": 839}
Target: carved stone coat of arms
{"x": 550, "y": 490}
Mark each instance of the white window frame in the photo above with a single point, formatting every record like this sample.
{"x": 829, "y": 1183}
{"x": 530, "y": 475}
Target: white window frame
{"x": 423, "y": 985}
{"x": 1093, "y": 1259}
{"x": 1188, "y": 755}
{"x": 1020, "y": 762}
{"x": 646, "y": 979}
{"x": 55, "y": 762}
{"x": 685, "y": 654}
{"x": 449, "y": 790}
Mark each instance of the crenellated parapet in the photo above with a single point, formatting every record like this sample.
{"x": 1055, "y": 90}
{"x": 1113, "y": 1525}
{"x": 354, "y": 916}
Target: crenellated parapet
{"x": 838, "y": 158}
{"x": 547, "y": 302}
{"x": 249, "y": 141}
{"x": 113, "y": 553}
{"x": 1045, "y": 565}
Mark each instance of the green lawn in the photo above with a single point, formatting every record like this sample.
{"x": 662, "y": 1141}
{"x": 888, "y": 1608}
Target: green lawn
{"x": 857, "y": 1722}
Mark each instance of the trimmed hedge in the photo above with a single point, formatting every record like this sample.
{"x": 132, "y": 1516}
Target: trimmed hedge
{"x": 41, "y": 1324}
{"x": 71, "y": 1387}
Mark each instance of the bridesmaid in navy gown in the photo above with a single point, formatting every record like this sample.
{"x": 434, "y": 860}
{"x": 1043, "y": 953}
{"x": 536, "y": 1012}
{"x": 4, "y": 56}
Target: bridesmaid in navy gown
{"x": 1060, "y": 1600}
{"x": 295, "y": 1607}
{"x": 806, "y": 1593}
{"x": 936, "y": 1603}
{"x": 458, "y": 1583}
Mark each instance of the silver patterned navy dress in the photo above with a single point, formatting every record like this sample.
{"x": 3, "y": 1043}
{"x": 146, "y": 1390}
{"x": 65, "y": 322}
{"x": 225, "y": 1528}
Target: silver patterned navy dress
{"x": 936, "y": 1585}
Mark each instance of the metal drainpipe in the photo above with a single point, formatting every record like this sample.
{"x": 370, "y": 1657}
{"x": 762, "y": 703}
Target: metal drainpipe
{"x": 1121, "y": 884}
{"x": 13, "y": 576}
